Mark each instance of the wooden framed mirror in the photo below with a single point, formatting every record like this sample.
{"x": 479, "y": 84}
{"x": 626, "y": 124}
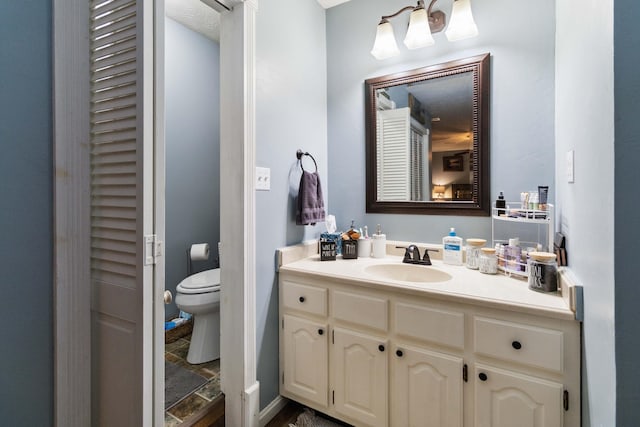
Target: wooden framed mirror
{"x": 427, "y": 140}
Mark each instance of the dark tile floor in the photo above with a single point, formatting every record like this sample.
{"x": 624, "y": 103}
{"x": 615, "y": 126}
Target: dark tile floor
{"x": 176, "y": 352}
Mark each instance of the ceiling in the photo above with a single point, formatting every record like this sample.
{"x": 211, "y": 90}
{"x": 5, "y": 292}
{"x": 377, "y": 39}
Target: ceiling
{"x": 195, "y": 15}
{"x": 199, "y": 17}
{"x": 330, "y": 3}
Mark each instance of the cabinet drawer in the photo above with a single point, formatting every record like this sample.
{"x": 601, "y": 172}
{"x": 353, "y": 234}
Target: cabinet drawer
{"x": 528, "y": 345}
{"x": 308, "y": 299}
{"x": 430, "y": 324}
{"x": 361, "y": 309}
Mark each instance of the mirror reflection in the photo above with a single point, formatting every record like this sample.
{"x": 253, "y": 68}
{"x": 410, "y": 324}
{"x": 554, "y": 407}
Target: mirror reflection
{"x": 427, "y": 138}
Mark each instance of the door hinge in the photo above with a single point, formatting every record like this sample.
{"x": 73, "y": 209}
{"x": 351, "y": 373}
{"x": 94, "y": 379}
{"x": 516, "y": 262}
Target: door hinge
{"x": 333, "y": 397}
{"x": 465, "y": 373}
{"x": 283, "y": 323}
{"x": 283, "y": 378}
{"x": 152, "y": 249}
{"x": 565, "y": 400}
{"x": 333, "y": 336}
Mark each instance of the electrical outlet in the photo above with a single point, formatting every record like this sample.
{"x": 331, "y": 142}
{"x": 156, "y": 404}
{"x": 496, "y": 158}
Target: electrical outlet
{"x": 570, "y": 167}
{"x": 263, "y": 179}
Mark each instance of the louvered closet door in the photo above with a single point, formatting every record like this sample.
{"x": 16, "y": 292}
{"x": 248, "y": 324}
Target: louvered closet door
{"x": 393, "y": 154}
{"x": 121, "y": 214}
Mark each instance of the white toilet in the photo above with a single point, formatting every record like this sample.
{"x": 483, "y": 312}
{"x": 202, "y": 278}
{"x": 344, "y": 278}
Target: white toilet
{"x": 199, "y": 294}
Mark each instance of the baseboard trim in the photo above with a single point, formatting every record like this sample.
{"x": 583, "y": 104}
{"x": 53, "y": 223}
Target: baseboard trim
{"x": 251, "y": 405}
{"x": 272, "y": 409}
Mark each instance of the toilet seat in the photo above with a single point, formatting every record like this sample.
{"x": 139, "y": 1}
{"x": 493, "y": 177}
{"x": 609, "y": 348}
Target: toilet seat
{"x": 201, "y": 283}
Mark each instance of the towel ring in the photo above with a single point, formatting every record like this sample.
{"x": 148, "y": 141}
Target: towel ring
{"x": 299, "y": 155}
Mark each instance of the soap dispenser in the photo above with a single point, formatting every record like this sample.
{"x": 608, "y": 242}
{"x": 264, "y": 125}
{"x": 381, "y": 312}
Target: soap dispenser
{"x": 364, "y": 244}
{"x": 379, "y": 244}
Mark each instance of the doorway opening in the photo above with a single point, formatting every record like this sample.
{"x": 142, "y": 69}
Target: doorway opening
{"x": 192, "y": 198}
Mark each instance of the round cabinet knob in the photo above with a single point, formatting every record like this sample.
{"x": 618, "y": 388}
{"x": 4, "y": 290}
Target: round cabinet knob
{"x": 482, "y": 376}
{"x": 320, "y": 331}
{"x": 516, "y": 345}
{"x": 168, "y": 297}
{"x": 381, "y": 347}
{"x": 301, "y": 299}
{"x": 399, "y": 353}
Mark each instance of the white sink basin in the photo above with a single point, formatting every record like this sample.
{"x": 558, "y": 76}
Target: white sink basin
{"x": 408, "y": 273}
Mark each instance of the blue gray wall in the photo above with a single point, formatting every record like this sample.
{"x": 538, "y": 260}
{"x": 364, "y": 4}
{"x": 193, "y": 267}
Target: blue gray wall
{"x": 26, "y": 359}
{"x": 627, "y": 229}
{"x": 192, "y": 64}
{"x": 520, "y": 38}
{"x": 585, "y": 124}
{"x": 291, "y": 114}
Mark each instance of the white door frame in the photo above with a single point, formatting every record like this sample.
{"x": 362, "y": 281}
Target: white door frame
{"x": 159, "y": 168}
{"x": 72, "y": 334}
{"x": 237, "y": 214}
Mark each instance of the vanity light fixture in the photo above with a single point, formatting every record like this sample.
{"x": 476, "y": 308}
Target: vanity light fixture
{"x": 422, "y": 23}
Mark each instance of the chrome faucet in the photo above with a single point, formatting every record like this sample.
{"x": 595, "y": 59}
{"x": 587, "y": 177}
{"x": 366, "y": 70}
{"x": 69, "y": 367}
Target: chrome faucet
{"x": 412, "y": 255}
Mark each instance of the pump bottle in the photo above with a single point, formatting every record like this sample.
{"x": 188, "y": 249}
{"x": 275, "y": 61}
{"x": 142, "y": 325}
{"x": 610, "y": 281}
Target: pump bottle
{"x": 452, "y": 248}
{"x": 379, "y": 244}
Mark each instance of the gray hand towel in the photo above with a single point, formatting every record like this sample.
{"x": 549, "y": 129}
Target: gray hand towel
{"x": 310, "y": 205}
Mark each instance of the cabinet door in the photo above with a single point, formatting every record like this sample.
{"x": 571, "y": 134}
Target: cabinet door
{"x": 507, "y": 399}
{"x": 360, "y": 377}
{"x": 426, "y": 389}
{"x": 305, "y": 360}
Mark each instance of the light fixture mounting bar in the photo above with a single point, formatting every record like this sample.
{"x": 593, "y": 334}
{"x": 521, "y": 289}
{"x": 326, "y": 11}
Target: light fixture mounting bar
{"x": 404, "y": 9}
{"x": 437, "y": 19}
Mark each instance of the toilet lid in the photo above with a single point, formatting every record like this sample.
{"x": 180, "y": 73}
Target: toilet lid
{"x": 205, "y": 281}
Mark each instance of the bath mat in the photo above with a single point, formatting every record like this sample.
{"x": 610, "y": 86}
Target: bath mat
{"x": 309, "y": 419}
{"x": 179, "y": 382}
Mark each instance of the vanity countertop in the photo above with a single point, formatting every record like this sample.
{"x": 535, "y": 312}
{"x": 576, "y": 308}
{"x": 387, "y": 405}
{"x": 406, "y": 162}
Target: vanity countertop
{"x": 466, "y": 285}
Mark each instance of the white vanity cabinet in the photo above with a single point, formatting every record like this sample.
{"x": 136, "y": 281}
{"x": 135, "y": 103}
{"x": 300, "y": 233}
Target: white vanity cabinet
{"x": 427, "y": 362}
{"x": 359, "y": 355}
{"x": 305, "y": 359}
{"x": 379, "y": 356}
{"x": 426, "y": 388}
{"x": 526, "y": 373}
{"x": 507, "y": 398}
{"x": 304, "y": 343}
{"x": 359, "y": 377}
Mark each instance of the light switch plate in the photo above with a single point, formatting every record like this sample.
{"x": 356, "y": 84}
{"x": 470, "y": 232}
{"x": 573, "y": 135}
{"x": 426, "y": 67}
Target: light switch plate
{"x": 570, "y": 167}
{"x": 263, "y": 179}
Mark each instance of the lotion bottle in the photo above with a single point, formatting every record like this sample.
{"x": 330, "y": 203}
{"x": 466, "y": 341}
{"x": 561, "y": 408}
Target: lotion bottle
{"x": 379, "y": 244}
{"x": 452, "y": 248}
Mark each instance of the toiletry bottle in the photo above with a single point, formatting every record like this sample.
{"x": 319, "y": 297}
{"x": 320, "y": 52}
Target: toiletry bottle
{"x": 379, "y": 244}
{"x": 452, "y": 248}
{"x": 364, "y": 244}
{"x": 533, "y": 201}
{"x": 501, "y": 204}
{"x": 512, "y": 255}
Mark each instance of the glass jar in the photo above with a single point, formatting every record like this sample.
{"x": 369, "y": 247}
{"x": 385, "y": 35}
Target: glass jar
{"x": 543, "y": 272}
{"x": 473, "y": 252}
{"x": 488, "y": 262}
